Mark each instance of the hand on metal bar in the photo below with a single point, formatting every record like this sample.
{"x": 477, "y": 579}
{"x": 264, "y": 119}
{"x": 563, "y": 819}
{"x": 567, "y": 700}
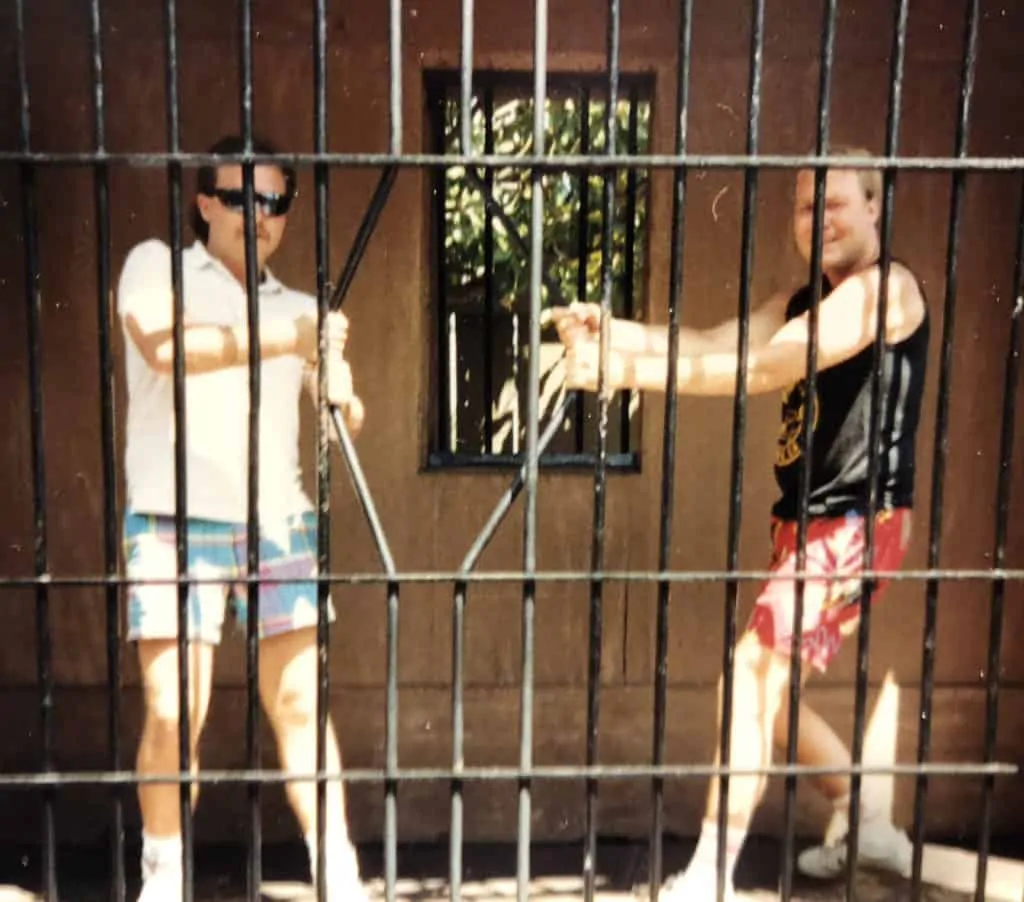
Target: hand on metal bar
{"x": 340, "y": 386}
{"x": 579, "y": 328}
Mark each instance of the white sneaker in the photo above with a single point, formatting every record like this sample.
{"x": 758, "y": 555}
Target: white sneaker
{"x": 882, "y": 847}
{"x": 695, "y": 885}
{"x": 161, "y": 887}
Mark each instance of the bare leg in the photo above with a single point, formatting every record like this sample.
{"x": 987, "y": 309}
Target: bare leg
{"x": 817, "y": 746}
{"x": 759, "y": 683}
{"x": 288, "y": 665}
{"x": 158, "y": 748}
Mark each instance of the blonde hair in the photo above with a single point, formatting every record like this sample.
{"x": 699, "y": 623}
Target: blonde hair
{"x": 870, "y": 179}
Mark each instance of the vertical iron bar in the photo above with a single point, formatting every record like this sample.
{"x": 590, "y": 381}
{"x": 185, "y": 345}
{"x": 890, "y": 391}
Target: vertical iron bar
{"x": 252, "y": 643}
{"x": 540, "y": 76}
{"x": 807, "y": 440}
{"x": 668, "y": 451}
{"x": 391, "y": 747}
{"x": 466, "y": 78}
{"x": 739, "y": 428}
{"x": 629, "y": 268}
{"x": 44, "y": 647}
{"x": 323, "y": 444}
{"x": 459, "y": 605}
{"x": 868, "y": 586}
{"x": 391, "y": 710}
{"x": 395, "y": 60}
{"x": 107, "y": 439}
{"x": 582, "y": 245}
{"x": 1005, "y": 481}
{"x": 597, "y": 556}
{"x": 180, "y": 452}
{"x": 458, "y": 741}
{"x": 489, "y": 298}
{"x": 439, "y": 178}
{"x": 942, "y": 445}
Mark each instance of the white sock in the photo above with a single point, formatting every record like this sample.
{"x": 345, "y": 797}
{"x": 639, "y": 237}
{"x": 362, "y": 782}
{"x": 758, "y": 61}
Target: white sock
{"x": 706, "y": 855}
{"x": 160, "y": 855}
{"x": 339, "y": 856}
{"x": 868, "y": 814}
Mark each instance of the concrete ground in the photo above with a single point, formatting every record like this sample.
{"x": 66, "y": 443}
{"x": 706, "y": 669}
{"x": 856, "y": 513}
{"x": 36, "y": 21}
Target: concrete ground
{"x": 949, "y": 875}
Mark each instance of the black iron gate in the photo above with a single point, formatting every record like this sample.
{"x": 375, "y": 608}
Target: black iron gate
{"x": 538, "y": 434}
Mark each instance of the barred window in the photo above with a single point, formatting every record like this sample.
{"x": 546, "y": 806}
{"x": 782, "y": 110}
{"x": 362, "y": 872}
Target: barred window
{"x": 481, "y": 251}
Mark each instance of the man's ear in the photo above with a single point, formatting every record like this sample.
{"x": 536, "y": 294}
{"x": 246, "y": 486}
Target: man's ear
{"x": 203, "y": 202}
{"x": 875, "y": 206}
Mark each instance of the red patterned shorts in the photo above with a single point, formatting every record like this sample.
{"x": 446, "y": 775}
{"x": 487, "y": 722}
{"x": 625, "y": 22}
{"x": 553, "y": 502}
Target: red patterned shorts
{"x": 835, "y": 548}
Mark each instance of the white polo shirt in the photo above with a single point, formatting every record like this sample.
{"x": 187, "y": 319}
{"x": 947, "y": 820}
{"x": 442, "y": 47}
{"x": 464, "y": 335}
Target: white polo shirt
{"x": 217, "y": 403}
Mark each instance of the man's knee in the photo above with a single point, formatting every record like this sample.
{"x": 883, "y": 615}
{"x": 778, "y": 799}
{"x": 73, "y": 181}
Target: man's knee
{"x": 162, "y": 715}
{"x": 293, "y": 705}
{"x": 758, "y": 670}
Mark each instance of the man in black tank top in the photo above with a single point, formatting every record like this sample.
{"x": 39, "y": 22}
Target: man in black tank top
{"x": 836, "y": 418}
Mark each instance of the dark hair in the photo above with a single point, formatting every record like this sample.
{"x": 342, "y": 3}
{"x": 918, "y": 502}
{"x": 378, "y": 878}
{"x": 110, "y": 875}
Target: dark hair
{"x": 206, "y": 177}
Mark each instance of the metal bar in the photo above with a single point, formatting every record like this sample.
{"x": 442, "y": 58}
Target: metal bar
{"x": 391, "y": 716}
{"x": 686, "y": 577}
{"x": 35, "y": 780}
{"x": 514, "y": 235}
{"x": 489, "y": 299}
{"x": 668, "y": 441}
{"x": 466, "y": 78}
{"x": 40, "y": 543}
{"x": 582, "y": 243}
{"x": 395, "y": 79}
{"x": 629, "y": 273}
{"x": 868, "y": 587}
{"x": 174, "y": 171}
{"x": 458, "y": 656}
{"x": 365, "y": 231}
{"x": 439, "y": 178}
{"x": 363, "y": 494}
{"x": 512, "y": 492}
{"x": 252, "y": 276}
{"x": 560, "y": 163}
{"x": 601, "y": 465}
{"x": 942, "y": 441}
{"x": 1004, "y": 485}
{"x": 739, "y": 429}
{"x": 807, "y": 439}
{"x": 109, "y": 451}
{"x": 362, "y": 490}
{"x": 458, "y": 742}
{"x": 323, "y": 456}
{"x": 540, "y": 74}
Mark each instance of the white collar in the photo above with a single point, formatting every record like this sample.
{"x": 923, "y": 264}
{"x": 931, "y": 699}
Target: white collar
{"x": 200, "y": 257}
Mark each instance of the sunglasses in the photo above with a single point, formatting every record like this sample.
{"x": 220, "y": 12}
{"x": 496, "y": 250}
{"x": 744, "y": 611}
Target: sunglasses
{"x": 270, "y": 204}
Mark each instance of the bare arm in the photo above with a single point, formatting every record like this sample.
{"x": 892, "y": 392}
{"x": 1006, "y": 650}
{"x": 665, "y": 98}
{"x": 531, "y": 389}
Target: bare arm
{"x": 208, "y": 347}
{"x": 846, "y": 325}
{"x": 581, "y": 321}
{"x": 145, "y": 300}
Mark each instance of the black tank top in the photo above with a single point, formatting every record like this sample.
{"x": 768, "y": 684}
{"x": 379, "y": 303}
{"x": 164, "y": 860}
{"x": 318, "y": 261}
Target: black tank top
{"x": 842, "y": 423}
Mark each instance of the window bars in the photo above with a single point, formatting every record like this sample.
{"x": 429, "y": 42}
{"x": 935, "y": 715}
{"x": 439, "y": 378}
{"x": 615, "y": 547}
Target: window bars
{"x": 681, "y": 162}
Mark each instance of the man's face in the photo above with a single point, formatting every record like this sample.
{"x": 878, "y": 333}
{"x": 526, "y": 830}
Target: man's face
{"x": 849, "y": 223}
{"x": 227, "y": 222}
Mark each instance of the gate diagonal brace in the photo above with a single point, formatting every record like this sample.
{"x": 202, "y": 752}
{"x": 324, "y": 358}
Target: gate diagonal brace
{"x": 348, "y": 449}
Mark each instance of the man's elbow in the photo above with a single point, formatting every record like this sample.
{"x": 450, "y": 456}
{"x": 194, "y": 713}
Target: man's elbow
{"x": 160, "y": 357}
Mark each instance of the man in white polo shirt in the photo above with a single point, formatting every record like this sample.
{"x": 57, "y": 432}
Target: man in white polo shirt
{"x": 216, "y": 351}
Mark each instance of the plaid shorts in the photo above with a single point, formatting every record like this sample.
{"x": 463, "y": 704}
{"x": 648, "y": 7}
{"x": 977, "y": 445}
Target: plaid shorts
{"x": 835, "y": 548}
{"x": 217, "y": 551}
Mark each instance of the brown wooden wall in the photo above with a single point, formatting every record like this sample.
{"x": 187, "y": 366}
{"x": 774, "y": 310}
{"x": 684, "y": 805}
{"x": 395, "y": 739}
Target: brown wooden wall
{"x": 432, "y": 517}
